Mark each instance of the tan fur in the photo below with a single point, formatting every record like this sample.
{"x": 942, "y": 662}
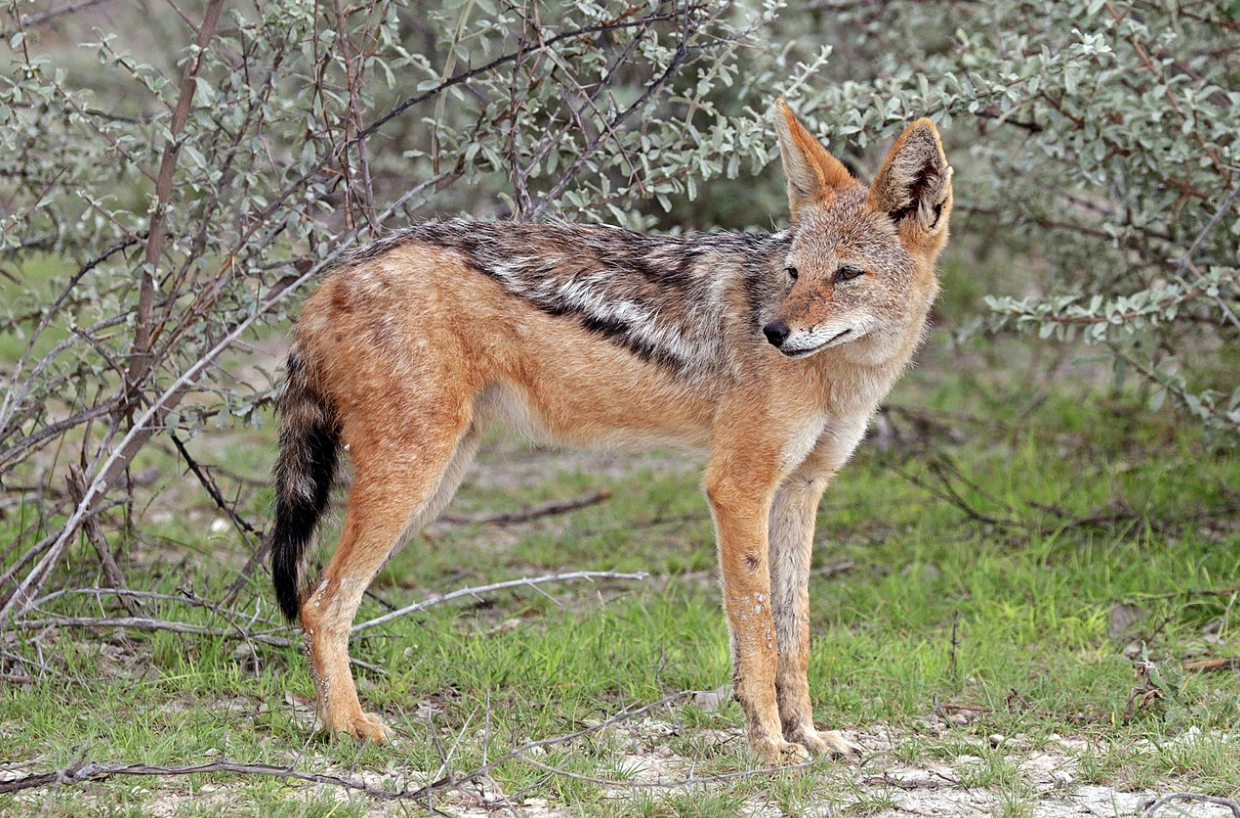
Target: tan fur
{"x": 813, "y": 174}
{"x": 415, "y": 351}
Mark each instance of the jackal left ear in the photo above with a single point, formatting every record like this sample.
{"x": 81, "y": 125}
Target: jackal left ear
{"x": 812, "y": 172}
{"x": 915, "y": 184}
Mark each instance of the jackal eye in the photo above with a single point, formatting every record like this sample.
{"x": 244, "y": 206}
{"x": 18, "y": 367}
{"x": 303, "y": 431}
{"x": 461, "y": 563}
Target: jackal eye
{"x": 792, "y": 272}
{"x": 848, "y": 273}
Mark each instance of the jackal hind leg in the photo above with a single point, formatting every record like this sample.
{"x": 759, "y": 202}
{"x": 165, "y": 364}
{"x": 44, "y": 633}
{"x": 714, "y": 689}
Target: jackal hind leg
{"x": 400, "y": 486}
{"x": 792, "y": 544}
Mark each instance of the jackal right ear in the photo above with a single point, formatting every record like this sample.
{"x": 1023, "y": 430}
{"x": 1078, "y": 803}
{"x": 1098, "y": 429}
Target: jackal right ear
{"x": 813, "y": 174}
{"x": 914, "y": 185}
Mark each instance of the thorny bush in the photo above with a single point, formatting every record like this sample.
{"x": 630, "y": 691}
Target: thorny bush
{"x": 191, "y": 168}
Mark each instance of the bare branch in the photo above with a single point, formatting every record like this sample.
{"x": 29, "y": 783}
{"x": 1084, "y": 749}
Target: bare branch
{"x": 59, "y": 11}
{"x": 464, "y": 76}
{"x": 1192, "y": 796}
{"x": 678, "y": 59}
{"x": 529, "y": 582}
{"x": 529, "y": 512}
{"x": 209, "y": 485}
{"x": 83, "y": 771}
{"x": 94, "y": 533}
{"x": 140, "y": 362}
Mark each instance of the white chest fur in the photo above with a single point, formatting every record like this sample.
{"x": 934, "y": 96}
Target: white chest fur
{"x": 834, "y": 439}
{"x": 803, "y": 437}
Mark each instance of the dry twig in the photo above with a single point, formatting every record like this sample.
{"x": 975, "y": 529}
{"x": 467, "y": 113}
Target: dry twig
{"x": 82, "y": 771}
{"x": 528, "y": 582}
{"x": 1192, "y": 796}
{"x": 529, "y": 512}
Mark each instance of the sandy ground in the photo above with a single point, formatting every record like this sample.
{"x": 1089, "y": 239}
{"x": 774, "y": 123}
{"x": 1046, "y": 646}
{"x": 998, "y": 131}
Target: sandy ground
{"x": 1053, "y": 788}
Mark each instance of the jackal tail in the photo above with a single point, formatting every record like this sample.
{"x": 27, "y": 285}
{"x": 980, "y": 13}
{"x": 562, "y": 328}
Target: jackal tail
{"x": 305, "y": 469}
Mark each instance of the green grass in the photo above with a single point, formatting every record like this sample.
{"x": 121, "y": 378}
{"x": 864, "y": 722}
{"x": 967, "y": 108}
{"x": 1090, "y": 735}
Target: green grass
{"x": 1100, "y": 506}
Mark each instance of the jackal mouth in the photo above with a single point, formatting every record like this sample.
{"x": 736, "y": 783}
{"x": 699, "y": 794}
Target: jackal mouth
{"x": 805, "y": 353}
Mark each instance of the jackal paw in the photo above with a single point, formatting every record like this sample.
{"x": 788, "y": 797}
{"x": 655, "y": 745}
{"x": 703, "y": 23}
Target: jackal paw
{"x": 776, "y": 752}
{"x": 363, "y": 727}
{"x": 829, "y": 743}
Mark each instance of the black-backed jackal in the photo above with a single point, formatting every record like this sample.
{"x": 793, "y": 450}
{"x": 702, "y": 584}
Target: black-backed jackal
{"x": 768, "y": 352}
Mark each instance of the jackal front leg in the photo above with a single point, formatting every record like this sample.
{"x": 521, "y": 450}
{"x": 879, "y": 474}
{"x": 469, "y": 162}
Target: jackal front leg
{"x": 741, "y": 508}
{"x": 792, "y": 544}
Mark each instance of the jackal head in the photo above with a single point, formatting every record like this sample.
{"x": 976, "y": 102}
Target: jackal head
{"x": 861, "y": 262}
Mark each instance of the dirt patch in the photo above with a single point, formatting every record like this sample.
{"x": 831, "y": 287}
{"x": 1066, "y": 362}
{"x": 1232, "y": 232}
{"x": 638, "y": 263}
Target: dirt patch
{"x": 1047, "y": 782}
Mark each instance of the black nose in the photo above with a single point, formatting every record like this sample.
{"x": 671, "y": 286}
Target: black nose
{"x": 776, "y": 332}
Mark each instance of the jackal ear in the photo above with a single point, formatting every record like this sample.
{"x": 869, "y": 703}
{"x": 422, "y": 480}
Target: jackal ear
{"x": 915, "y": 184}
{"x": 812, "y": 173}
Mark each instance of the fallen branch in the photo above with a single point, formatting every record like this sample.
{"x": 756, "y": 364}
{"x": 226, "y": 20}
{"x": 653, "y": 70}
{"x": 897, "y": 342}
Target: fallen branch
{"x": 1160, "y": 520}
{"x": 529, "y": 512}
{"x": 1015, "y": 696}
{"x": 947, "y": 491}
{"x": 194, "y": 601}
{"x": 91, "y": 771}
{"x": 529, "y": 582}
{"x": 953, "y": 707}
{"x": 149, "y": 624}
{"x": 141, "y": 623}
{"x": 834, "y": 569}
{"x": 888, "y": 780}
{"x": 1213, "y": 663}
{"x": 1186, "y": 592}
{"x": 84, "y": 771}
{"x": 1192, "y": 796}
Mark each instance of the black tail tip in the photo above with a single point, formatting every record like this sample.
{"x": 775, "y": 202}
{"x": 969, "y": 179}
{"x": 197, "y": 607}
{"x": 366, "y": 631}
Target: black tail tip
{"x": 285, "y": 580}
{"x": 289, "y": 601}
